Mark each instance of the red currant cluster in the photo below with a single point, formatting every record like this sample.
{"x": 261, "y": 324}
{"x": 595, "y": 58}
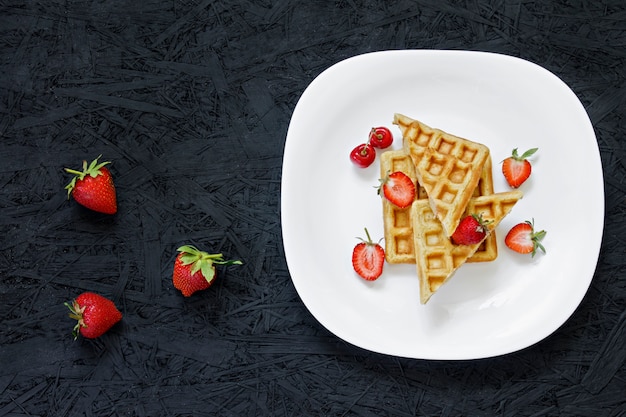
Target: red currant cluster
{"x": 364, "y": 154}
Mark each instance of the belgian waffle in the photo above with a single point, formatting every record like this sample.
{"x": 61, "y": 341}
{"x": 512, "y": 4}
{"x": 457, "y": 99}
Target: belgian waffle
{"x": 447, "y": 166}
{"x": 437, "y": 258}
{"x": 398, "y": 228}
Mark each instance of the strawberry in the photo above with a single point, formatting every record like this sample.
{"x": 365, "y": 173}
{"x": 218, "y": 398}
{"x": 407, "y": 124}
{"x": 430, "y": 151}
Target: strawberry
{"x": 522, "y": 238}
{"x": 95, "y": 315}
{"x": 194, "y": 270}
{"x": 398, "y": 188}
{"x": 516, "y": 168}
{"x": 93, "y": 187}
{"x": 368, "y": 259}
{"x": 472, "y": 229}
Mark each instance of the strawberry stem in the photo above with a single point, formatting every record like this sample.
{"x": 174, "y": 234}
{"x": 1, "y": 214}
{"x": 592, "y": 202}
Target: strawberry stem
{"x": 525, "y": 155}
{"x": 203, "y": 261}
{"x": 369, "y": 239}
{"x": 482, "y": 223}
{"x": 536, "y": 238}
{"x": 367, "y": 233}
{"x": 382, "y": 182}
{"x": 76, "y": 313}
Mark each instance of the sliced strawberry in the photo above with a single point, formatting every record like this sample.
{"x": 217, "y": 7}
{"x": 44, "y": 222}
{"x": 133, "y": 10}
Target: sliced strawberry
{"x": 368, "y": 259}
{"x": 522, "y": 238}
{"x": 516, "y": 168}
{"x": 398, "y": 188}
{"x": 472, "y": 229}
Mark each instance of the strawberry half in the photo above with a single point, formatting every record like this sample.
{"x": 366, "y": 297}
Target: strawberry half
{"x": 93, "y": 187}
{"x": 194, "y": 270}
{"x": 398, "y": 188}
{"x": 516, "y": 168}
{"x": 522, "y": 238}
{"x": 368, "y": 259}
{"x": 472, "y": 229}
{"x": 95, "y": 315}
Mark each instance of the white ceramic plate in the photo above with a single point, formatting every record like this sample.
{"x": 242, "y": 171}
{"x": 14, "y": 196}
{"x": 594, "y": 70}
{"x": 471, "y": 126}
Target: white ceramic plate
{"x": 486, "y": 309}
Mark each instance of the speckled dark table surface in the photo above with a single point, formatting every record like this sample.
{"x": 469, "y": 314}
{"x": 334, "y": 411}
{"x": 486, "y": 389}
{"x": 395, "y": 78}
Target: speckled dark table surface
{"x": 191, "y": 101}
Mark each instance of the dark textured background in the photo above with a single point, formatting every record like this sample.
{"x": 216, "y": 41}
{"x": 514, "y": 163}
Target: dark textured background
{"x": 191, "y": 101}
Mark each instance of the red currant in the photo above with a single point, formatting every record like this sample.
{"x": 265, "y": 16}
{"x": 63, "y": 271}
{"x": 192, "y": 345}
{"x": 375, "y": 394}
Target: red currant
{"x": 363, "y": 155}
{"x": 380, "y": 137}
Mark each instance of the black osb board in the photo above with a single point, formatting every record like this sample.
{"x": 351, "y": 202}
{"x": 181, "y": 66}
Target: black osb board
{"x": 191, "y": 101}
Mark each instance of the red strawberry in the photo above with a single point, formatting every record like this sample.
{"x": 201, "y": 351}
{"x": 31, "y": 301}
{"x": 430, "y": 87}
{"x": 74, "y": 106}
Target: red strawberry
{"x": 368, "y": 259}
{"x": 516, "y": 168}
{"x": 194, "y": 270}
{"x": 398, "y": 188}
{"x": 93, "y": 187}
{"x": 95, "y": 314}
{"x": 472, "y": 229}
{"x": 522, "y": 238}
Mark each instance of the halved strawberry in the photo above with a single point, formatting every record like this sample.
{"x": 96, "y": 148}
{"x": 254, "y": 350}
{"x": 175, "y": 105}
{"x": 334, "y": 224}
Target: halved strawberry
{"x": 368, "y": 259}
{"x": 516, "y": 168}
{"x": 472, "y": 229}
{"x": 398, "y": 188}
{"x": 522, "y": 238}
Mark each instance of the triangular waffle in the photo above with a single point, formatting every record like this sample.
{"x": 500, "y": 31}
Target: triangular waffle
{"x": 447, "y": 166}
{"x": 398, "y": 227}
{"x": 437, "y": 258}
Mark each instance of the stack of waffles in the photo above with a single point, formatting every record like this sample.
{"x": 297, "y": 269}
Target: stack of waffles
{"x": 453, "y": 178}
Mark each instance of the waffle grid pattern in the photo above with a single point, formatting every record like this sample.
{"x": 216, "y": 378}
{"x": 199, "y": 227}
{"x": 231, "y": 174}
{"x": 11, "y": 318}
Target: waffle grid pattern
{"x": 447, "y": 166}
{"x": 437, "y": 258}
{"x": 399, "y": 246}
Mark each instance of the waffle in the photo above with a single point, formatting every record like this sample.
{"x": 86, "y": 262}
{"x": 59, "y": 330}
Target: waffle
{"x": 447, "y": 166}
{"x": 437, "y": 258}
{"x": 398, "y": 228}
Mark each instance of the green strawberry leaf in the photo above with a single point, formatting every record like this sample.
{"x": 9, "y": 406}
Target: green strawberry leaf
{"x": 92, "y": 170}
{"x": 203, "y": 261}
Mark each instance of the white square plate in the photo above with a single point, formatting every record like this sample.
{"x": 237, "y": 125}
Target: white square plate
{"x": 486, "y": 309}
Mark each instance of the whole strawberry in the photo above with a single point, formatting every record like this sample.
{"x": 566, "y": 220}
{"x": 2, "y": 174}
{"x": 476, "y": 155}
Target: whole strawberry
{"x": 472, "y": 229}
{"x": 194, "y": 270}
{"x": 95, "y": 315}
{"x": 516, "y": 168}
{"x": 93, "y": 187}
